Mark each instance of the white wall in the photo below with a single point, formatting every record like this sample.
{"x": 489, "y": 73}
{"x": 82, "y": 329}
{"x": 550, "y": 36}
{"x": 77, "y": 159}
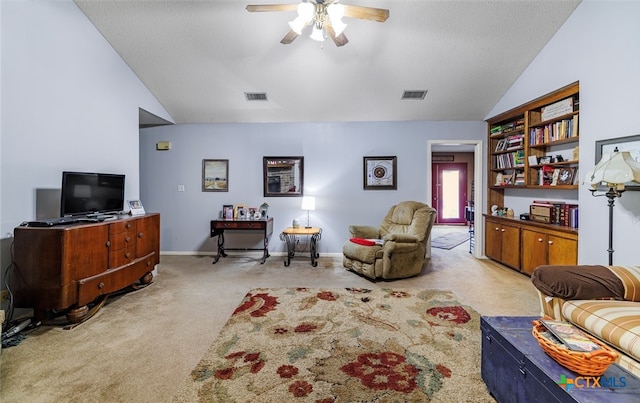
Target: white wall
{"x": 599, "y": 45}
{"x": 69, "y": 102}
{"x": 333, "y": 172}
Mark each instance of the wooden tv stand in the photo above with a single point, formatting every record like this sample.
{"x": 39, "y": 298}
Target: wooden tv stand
{"x": 68, "y": 267}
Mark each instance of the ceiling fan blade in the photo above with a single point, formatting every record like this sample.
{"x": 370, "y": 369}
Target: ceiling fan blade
{"x": 339, "y": 40}
{"x": 271, "y": 7}
{"x": 289, "y": 37}
{"x": 366, "y": 13}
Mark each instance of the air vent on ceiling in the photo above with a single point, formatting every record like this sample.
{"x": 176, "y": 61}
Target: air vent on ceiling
{"x": 416, "y": 94}
{"x": 255, "y": 96}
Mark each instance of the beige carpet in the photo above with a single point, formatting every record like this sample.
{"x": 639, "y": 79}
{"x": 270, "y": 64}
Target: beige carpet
{"x": 343, "y": 344}
{"x": 142, "y": 346}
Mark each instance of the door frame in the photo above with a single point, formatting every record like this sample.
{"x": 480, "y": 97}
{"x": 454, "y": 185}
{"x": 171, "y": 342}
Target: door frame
{"x": 461, "y": 167}
{"x": 478, "y": 192}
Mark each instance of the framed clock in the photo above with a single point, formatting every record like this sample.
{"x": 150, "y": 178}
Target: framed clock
{"x": 380, "y": 173}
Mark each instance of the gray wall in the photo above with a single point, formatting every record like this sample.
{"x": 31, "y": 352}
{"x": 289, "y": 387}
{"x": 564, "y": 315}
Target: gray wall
{"x": 69, "y": 102}
{"x": 333, "y": 172}
{"x": 599, "y": 45}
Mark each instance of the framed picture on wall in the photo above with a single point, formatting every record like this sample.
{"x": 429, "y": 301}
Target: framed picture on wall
{"x": 215, "y": 174}
{"x": 629, "y": 143}
{"x": 380, "y": 173}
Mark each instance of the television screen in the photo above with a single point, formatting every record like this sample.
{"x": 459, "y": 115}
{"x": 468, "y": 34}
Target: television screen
{"x": 86, "y": 193}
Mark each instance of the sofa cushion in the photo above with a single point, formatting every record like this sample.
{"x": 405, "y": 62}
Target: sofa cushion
{"x": 615, "y": 322}
{"x": 630, "y": 277}
{"x": 578, "y": 282}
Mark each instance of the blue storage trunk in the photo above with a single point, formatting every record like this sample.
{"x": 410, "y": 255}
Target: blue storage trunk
{"x": 516, "y": 369}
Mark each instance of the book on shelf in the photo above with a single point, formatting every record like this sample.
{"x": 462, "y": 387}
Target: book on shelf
{"x": 572, "y": 337}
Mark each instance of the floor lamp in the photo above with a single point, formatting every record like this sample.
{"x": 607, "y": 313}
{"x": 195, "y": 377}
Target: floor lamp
{"x": 613, "y": 171}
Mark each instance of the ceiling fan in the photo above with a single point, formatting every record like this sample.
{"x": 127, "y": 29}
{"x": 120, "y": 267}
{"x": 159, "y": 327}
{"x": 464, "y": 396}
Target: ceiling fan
{"x": 324, "y": 15}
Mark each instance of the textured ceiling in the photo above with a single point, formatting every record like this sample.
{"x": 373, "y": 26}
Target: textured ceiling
{"x": 200, "y": 57}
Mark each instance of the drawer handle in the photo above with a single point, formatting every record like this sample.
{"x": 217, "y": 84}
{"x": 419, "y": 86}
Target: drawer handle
{"x": 502, "y": 230}
{"x": 101, "y": 285}
{"x": 497, "y": 229}
{"x": 550, "y": 242}
{"x": 148, "y": 263}
{"x": 127, "y": 239}
{"x": 108, "y": 243}
{"x": 539, "y": 239}
{"x": 127, "y": 254}
{"x": 140, "y": 235}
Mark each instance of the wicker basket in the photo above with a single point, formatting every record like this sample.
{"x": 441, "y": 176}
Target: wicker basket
{"x": 584, "y": 363}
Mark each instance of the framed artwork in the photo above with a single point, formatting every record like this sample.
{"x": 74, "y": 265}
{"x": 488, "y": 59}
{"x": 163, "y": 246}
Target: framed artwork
{"x": 215, "y": 174}
{"x": 565, "y": 176}
{"x": 629, "y": 143}
{"x": 380, "y": 173}
{"x": 283, "y": 176}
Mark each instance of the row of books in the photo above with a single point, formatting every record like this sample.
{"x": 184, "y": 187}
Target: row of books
{"x": 562, "y": 213}
{"x": 510, "y": 143}
{"x": 509, "y": 160}
{"x": 507, "y": 127}
{"x": 561, "y": 130}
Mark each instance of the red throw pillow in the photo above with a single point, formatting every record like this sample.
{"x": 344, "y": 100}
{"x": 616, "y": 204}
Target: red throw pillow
{"x": 362, "y": 241}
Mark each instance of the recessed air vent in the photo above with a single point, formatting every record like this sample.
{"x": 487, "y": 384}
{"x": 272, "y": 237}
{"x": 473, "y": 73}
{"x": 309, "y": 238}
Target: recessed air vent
{"x": 256, "y": 96}
{"x": 415, "y": 94}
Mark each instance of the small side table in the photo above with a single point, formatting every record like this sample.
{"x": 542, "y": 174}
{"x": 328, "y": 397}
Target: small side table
{"x": 290, "y": 236}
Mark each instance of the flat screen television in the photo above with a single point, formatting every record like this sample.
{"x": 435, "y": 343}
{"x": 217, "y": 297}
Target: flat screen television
{"x": 85, "y": 193}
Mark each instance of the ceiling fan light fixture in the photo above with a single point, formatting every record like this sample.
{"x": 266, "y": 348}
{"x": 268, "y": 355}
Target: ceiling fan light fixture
{"x": 317, "y": 34}
{"x": 335, "y": 13}
{"x": 305, "y": 15}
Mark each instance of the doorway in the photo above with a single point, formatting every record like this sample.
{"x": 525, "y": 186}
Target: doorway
{"x": 449, "y": 182}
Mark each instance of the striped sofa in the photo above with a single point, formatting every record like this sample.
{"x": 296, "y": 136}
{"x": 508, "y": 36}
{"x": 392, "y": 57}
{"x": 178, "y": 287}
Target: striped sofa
{"x": 602, "y": 300}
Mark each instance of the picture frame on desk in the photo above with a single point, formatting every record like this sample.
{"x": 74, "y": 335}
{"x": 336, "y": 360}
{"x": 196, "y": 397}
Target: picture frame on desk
{"x": 135, "y": 207}
{"x": 628, "y": 143}
{"x": 227, "y": 211}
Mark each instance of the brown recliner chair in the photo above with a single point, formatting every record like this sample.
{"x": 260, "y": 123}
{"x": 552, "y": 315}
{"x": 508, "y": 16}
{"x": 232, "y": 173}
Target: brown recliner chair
{"x": 401, "y": 247}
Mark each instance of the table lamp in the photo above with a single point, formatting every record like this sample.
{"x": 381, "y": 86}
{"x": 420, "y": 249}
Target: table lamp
{"x": 613, "y": 171}
{"x": 308, "y": 203}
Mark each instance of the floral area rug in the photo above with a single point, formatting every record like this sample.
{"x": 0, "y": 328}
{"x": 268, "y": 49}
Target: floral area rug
{"x": 343, "y": 345}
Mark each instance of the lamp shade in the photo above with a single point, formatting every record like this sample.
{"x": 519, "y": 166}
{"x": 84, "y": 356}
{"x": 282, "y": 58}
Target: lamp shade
{"x": 614, "y": 169}
{"x": 308, "y": 203}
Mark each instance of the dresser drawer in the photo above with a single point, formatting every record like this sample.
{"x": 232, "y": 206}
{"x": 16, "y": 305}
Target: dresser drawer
{"x": 122, "y": 226}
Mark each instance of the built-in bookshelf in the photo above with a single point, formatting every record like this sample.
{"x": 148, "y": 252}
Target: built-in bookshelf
{"x": 535, "y": 146}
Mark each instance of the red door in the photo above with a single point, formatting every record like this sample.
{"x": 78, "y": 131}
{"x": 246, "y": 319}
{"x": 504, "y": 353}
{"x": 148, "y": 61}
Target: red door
{"x": 449, "y": 192}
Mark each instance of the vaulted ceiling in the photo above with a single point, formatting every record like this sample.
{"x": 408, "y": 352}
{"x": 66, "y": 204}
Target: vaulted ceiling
{"x": 199, "y": 58}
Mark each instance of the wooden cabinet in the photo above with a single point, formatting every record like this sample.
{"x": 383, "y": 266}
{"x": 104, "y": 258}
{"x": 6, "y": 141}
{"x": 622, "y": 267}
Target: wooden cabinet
{"x": 545, "y": 247}
{"x": 503, "y": 242}
{"x": 67, "y": 267}
{"x": 525, "y": 245}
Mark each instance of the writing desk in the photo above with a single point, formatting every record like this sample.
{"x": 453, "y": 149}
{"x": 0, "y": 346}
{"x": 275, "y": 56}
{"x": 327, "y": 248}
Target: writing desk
{"x": 219, "y": 226}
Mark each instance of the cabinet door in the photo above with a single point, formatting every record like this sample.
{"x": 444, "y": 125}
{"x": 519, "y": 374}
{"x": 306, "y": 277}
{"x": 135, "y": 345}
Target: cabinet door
{"x": 148, "y": 238}
{"x": 534, "y": 250}
{"x": 493, "y": 240}
{"x": 510, "y": 245}
{"x": 562, "y": 250}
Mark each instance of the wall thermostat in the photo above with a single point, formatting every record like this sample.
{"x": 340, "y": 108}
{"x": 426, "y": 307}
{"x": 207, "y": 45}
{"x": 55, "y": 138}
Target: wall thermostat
{"x": 163, "y": 145}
